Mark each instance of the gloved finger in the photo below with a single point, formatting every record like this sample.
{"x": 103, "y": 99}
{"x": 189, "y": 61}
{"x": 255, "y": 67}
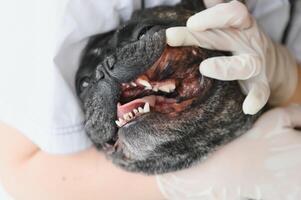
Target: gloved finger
{"x": 211, "y": 3}
{"x": 227, "y": 68}
{"x": 180, "y": 36}
{"x": 211, "y": 39}
{"x": 256, "y": 98}
{"x": 233, "y": 14}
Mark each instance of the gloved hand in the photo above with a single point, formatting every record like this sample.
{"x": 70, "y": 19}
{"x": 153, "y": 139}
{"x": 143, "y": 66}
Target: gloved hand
{"x": 265, "y": 70}
{"x": 264, "y": 164}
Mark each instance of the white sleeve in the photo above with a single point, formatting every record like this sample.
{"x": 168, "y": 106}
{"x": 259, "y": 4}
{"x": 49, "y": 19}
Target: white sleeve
{"x": 40, "y": 48}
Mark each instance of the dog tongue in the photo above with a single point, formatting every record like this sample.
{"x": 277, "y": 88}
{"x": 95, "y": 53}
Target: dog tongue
{"x": 129, "y": 107}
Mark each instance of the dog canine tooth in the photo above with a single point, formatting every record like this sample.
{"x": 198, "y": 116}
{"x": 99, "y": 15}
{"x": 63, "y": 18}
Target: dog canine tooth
{"x": 167, "y": 88}
{"x": 135, "y": 111}
{"x": 118, "y": 123}
{"x": 145, "y": 83}
{"x": 140, "y": 110}
{"x": 164, "y": 89}
{"x": 146, "y": 108}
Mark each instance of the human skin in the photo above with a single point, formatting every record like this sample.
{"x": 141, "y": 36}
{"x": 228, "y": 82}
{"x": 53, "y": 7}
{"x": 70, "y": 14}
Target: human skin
{"x": 28, "y": 173}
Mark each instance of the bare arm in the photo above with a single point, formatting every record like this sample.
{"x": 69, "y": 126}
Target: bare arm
{"x": 30, "y": 174}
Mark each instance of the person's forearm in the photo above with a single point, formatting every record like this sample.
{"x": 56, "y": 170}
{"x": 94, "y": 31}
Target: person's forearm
{"x": 35, "y": 175}
{"x": 83, "y": 176}
{"x": 296, "y": 97}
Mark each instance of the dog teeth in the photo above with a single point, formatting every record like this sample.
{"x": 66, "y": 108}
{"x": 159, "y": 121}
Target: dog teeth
{"x": 118, "y": 123}
{"x": 155, "y": 89}
{"x": 146, "y": 108}
{"x": 145, "y": 83}
{"x": 126, "y": 117}
{"x": 170, "y": 87}
{"x": 140, "y": 110}
{"x": 133, "y": 84}
{"x": 133, "y": 114}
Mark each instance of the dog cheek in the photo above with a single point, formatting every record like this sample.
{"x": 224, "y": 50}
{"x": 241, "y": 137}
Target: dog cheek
{"x": 136, "y": 145}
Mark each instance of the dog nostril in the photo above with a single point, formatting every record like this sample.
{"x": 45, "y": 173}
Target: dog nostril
{"x": 99, "y": 75}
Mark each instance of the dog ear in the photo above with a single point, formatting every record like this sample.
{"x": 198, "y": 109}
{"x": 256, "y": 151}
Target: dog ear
{"x": 193, "y": 5}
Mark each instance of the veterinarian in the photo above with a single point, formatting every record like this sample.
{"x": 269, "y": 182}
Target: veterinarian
{"x": 44, "y": 152}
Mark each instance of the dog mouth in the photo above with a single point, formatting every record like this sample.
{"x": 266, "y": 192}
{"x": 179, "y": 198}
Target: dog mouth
{"x": 169, "y": 87}
{"x": 146, "y": 105}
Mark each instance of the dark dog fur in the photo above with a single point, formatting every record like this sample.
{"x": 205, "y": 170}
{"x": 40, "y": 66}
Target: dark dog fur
{"x": 155, "y": 143}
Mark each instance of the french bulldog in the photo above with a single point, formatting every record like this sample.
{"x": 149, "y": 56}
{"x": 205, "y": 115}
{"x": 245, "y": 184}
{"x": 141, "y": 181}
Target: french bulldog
{"x": 146, "y": 104}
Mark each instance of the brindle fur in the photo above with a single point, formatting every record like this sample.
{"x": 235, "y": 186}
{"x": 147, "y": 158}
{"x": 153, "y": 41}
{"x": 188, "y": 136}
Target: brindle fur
{"x": 156, "y": 145}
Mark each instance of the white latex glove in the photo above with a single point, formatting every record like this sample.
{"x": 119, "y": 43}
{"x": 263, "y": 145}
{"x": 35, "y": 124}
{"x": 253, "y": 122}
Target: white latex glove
{"x": 261, "y": 66}
{"x": 263, "y": 164}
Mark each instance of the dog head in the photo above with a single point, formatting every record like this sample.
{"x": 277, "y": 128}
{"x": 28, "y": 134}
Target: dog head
{"x": 146, "y": 104}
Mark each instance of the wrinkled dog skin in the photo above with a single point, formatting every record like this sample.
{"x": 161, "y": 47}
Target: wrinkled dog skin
{"x": 200, "y": 115}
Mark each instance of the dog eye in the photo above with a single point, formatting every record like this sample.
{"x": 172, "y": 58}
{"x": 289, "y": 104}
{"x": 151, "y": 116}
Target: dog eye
{"x": 143, "y": 32}
{"x": 84, "y": 83}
